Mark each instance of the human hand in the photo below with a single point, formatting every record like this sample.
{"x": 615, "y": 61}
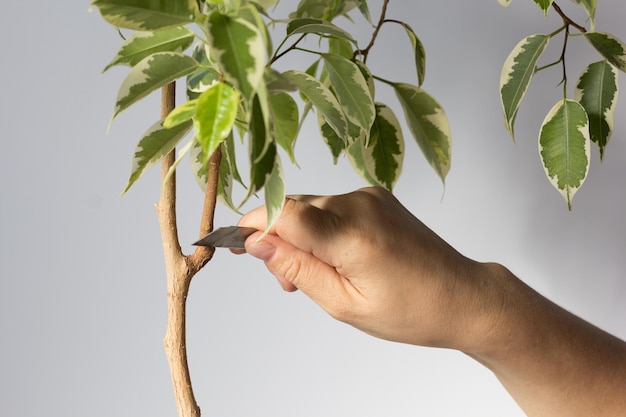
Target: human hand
{"x": 369, "y": 262}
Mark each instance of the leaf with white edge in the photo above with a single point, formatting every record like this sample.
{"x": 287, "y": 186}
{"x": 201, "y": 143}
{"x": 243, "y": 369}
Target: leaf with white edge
{"x": 428, "y": 124}
{"x": 157, "y": 142}
{"x": 504, "y": 3}
{"x": 215, "y": 116}
{"x": 364, "y": 9}
{"x": 285, "y": 122}
{"x": 596, "y": 91}
{"x": 204, "y": 76}
{"x": 386, "y": 147}
{"x": 380, "y": 162}
{"x": 609, "y": 47}
{"x": 367, "y": 75}
{"x": 564, "y": 147}
{"x": 322, "y": 98}
{"x": 361, "y": 164}
{"x": 181, "y": 154}
{"x": 143, "y": 44}
{"x": 317, "y": 26}
{"x": 544, "y": 5}
{"x": 336, "y": 144}
{"x": 238, "y": 49}
{"x": 262, "y": 150}
{"x": 419, "y": 53}
{"x": 517, "y": 72}
{"x": 351, "y": 90}
{"x": 590, "y": 7}
{"x": 274, "y": 193}
{"x": 147, "y": 14}
{"x": 181, "y": 114}
{"x": 150, "y": 74}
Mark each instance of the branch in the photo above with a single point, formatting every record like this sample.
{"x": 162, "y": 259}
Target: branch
{"x": 178, "y": 280}
{"x": 567, "y": 20}
{"x": 365, "y": 52}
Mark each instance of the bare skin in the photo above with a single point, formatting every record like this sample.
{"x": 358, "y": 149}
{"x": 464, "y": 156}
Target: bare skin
{"x": 369, "y": 262}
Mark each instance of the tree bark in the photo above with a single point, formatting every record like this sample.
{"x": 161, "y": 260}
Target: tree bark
{"x": 180, "y": 269}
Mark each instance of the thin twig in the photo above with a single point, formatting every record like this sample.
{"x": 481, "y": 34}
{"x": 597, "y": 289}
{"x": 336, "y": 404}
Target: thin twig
{"x": 365, "y": 52}
{"x": 567, "y": 20}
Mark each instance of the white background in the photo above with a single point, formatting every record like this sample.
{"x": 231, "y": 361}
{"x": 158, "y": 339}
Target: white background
{"x": 82, "y": 296}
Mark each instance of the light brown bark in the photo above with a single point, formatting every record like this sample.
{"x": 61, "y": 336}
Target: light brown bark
{"x": 180, "y": 269}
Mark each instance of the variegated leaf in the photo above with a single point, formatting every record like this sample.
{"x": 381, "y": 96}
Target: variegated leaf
{"x": 262, "y": 150}
{"x": 428, "y": 123}
{"x": 590, "y": 7}
{"x": 181, "y": 114}
{"x": 317, "y": 26}
{"x": 157, "y": 142}
{"x": 147, "y": 14}
{"x": 544, "y": 5}
{"x": 215, "y": 116}
{"x": 380, "y": 161}
{"x": 181, "y": 154}
{"x": 274, "y": 192}
{"x": 517, "y": 73}
{"x": 504, "y": 3}
{"x": 143, "y": 44}
{"x": 419, "y": 53}
{"x": 335, "y": 144}
{"x": 351, "y": 90}
{"x": 609, "y": 47}
{"x": 152, "y": 73}
{"x": 564, "y": 147}
{"x": 285, "y": 120}
{"x": 238, "y": 49}
{"x": 204, "y": 76}
{"x": 322, "y": 98}
{"x": 597, "y": 90}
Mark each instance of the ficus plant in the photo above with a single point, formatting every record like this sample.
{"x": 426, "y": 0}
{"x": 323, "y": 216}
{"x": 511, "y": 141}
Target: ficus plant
{"x": 230, "y": 56}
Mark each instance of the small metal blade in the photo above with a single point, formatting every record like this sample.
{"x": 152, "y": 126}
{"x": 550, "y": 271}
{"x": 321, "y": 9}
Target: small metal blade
{"x": 227, "y": 237}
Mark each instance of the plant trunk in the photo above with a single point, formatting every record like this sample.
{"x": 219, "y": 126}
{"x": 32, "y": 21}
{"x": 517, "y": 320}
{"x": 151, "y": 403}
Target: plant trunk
{"x": 180, "y": 269}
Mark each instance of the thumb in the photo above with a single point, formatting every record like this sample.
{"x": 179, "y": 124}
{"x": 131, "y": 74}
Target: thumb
{"x": 297, "y": 269}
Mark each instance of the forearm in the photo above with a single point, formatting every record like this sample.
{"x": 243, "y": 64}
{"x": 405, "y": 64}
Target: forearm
{"x": 551, "y": 362}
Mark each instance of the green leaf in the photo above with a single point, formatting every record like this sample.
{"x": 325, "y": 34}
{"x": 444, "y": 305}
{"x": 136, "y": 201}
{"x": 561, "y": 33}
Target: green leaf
{"x": 285, "y": 121}
{"x": 364, "y": 9}
{"x": 351, "y": 89}
{"x": 418, "y": 52}
{"x": 590, "y": 7}
{"x": 238, "y": 49}
{"x": 428, "y": 123}
{"x": 317, "y": 26}
{"x": 157, "y": 142}
{"x": 544, "y": 5}
{"x": 204, "y": 76}
{"x": 380, "y": 162}
{"x": 517, "y": 73}
{"x": 367, "y": 75}
{"x": 147, "y": 14}
{"x": 609, "y": 47}
{"x": 152, "y": 73}
{"x": 181, "y": 114}
{"x": 596, "y": 91}
{"x": 142, "y": 44}
{"x": 215, "y": 116}
{"x": 322, "y": 98}
{"x": 262, "y": 150}
{"x": 274, "y": 193}
{"x": 564, "y": 147}
{"x": 336, "y": 144}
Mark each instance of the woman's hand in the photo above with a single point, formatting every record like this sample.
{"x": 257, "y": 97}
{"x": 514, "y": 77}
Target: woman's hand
{"x": 369, "y": 262}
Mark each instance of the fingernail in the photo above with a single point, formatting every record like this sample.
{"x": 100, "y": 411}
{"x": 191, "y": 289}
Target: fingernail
{"x": 261, "y": 249}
